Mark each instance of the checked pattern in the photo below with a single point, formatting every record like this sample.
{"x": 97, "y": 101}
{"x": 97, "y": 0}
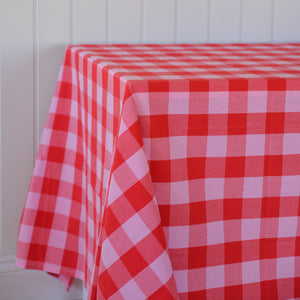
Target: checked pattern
{"x": 170, "y": 172}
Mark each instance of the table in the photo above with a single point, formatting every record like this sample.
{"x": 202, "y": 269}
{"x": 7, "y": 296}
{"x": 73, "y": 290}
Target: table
{"x": 170, "y": 171}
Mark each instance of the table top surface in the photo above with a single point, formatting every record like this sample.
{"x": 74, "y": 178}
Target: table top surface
{"x": 190, "y": 61}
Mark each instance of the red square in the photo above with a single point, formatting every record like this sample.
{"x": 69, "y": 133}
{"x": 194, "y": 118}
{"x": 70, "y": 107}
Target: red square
{"x": 198, "y": 124}
{"x": 270, "y": 207}
{"x": 106, "y": 285}
{"x": 164, "y": 211}
{"x": 276, "y": 84}
{"x": 237, "y": 124}
{"x": 201, "y": 85}
{"x": 269, "y": 289}
{"x": 111, "y": 223}
{"x": 159, "y": 126}
{"x": 65, "y": 90}
{"x": 73, "y": 226}
{"x": 197, "y": 257}
{"x": 233, "y": 252}
{"x": 37, "y": 253}
{"x": 196, "y": 167}
{"x": 160, "y": 236}
{"x": 50, "y": 186}
{"x": 70, "y": 259}
{"x": 297, "y": 243}
{"x": 133, "y": 261}
{"x": 297, "y": 287}
{"x": 77, "y": 193}
{"x": 268, "y": 248}
{"x": 198, "y": 295}
{"x": 162, "y": 293}
{"x": 160, "y": 170}
{"x": 158, "y": 86}
{"x": 235, "y": 167}
{"x": 232, "y": 209}
{"x": 117, "y": 87}
{"x": 197, "y": 213}
{"x": 239, "y": 84}
{"x": 273, "y": 165}
{"x": 234, "y": 292}
{"x": 61, "y": 122}
{"x": 275, "y": 122}
{"x": 138, "y": 196}
{"x": 56, "y": 154}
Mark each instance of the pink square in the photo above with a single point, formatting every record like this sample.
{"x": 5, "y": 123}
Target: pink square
{"x": 238, "y": 102}
{"x": 251, "y": 271}
{"x": 179, "y": 192}
{"x": 216, "y": 146}
{"x": 181, "y": 278}
{"x": 255, "y": 144}
{"x": 274, "y": 144}
{"x": 196, "y": 190}
{"x": 215, "y": 277}
{"x": 57, "y": 239}
{"x": 250, "y": 229}
{"x": 268, "y": 269}
{"x": 218, "y": 102}
{"x": 257, "y": 101}
{"x": 272, "y": 186}
{"x": 233, "y": 187}
{"x": 290, "y": 186}
{"x": 288, "y": 226}
{"x": 233, "y": 274}
{"x": 198, "y": 103}
{"x": 162, "y": 191}
{"x": 292, "y": 103}
{"x": 215, "y": 233}
{"x": 232, "y": 230}
{"x": 178, "y": 103}
{"x": 291, "y": 143}
{"x": 178, "y": 147}
{"x": 286, "y": 267}
{"x": 214, "y": 188}
{"x": 269, "y": 228}
{"x": 253, "y": 187}
{"x": 160, "y": 149}
{"x": 197, "y": 279}
{"x": 178, "y": 237}
{"x": 277, "y": 101}
{"x": 236, "y": 145}
{"x": 197, "y": 235}
{"x": 159, "y": 103}
{"x": 196, "y": 146}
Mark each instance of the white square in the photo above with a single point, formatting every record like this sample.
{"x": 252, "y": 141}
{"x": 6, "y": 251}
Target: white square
{"x": 108, "y": 254}
{"x": 251, "y": 271}
{"x": 215, "y": 277}
{"x": 39, "y": 168}
{"x": 138, "y": 163}
{"x": 109, "y": 141}
{"x": 33, "y": 200}
{"x": 253, "y": 187}
{"x": 178, "y": 237}
{"x": 67, "y": 173}
{"x": 25, "y": 233}
{"x": 214, "y": 188}
{"x": 71, "y": 143}
{"x": 181, "y": 279}
{"x": 215, "y": 233}
{"x": 291, "y": 143}
{"x": 178, "y": 147}
{"x": 287, "y": 226}
{"x": 255, "y": 144}
{"x": 216, "y": 146}
{"x": 218, "y": 101}
{"x": 136, "y": 229}
{"x": 63, "y": 206}
{"x": 131, "y": 291}
{"x": 162, "y": 267}
{"x": 57, "y": 238}
{"x": 179, "y": 192}
{"x": 285, "y": 267}
{"x": 257, "y": 101}
{"x": 142, "y": 104}
{"x": 250, "y": 229}
{"x": 178, "y": 103}
{"x": 290, "y": 186}
{"x": 110, "y": 103}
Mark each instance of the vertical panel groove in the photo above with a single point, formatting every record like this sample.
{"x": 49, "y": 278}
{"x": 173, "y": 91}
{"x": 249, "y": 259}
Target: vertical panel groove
{"x": 273, "y": 21}
{"x": 72, "y": 21}
{"x": 208, "y": 38}
{"x": 241, "y": 20}
{"x": 36, "y": 77}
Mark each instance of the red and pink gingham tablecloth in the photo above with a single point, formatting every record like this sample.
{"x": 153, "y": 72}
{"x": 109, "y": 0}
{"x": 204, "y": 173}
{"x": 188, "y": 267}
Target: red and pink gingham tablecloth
{"x": 170, "y": 171}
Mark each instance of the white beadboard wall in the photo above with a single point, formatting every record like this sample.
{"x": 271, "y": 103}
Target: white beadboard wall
{"x": 34, "y": 34}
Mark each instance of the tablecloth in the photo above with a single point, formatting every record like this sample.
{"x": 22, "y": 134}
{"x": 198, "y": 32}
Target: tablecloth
{"x": 170, "y": 171}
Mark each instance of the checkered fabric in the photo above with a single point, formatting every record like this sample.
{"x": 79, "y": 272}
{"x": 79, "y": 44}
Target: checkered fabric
{"x": 170, "y": 172}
